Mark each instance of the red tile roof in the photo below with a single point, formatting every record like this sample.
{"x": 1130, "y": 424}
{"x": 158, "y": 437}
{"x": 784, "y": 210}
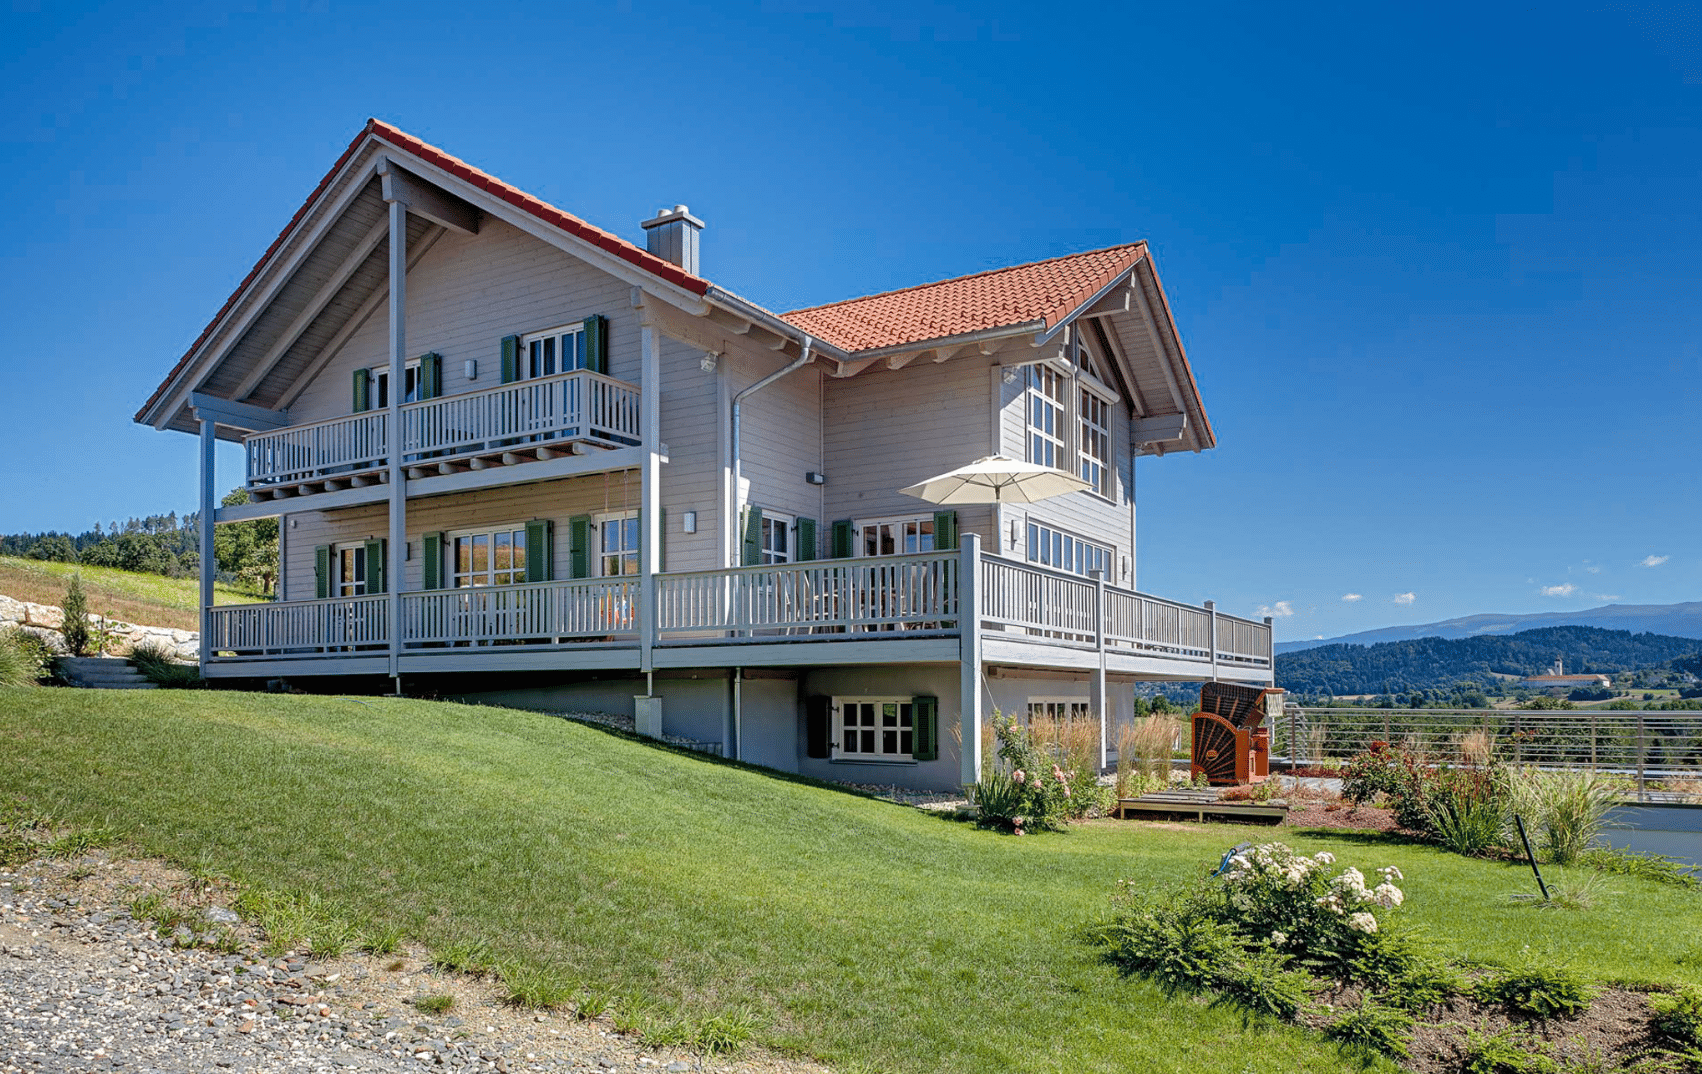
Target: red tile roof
{"x": 1044, "y": 292}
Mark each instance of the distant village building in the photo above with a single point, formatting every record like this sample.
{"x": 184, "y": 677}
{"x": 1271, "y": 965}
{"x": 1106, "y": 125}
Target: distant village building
{"x": 1557, "y": 679}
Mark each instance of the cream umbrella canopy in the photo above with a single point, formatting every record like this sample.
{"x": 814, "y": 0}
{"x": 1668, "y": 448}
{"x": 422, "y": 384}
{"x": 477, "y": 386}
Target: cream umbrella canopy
{"x": 996, "y": 479}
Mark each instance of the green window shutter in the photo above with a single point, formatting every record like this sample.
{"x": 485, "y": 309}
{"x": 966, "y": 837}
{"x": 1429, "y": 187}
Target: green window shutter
{"x": 431, "y": 375}
{"x": 842, "y": 539}
{"x": 818, "y": 727}
{"x": 322, "y": 572}
{"x": 753, "y": 537}
{"x": 925, "y": 718}
{"x": 945, "y": 530}
{"x": 540, "y": 550}
{"x": 375, "y": 567}
{"x": 597, "y": 343}
{"x": 431, "y": 560}
{"x": 806, "y": 539}
{"x": 579, "y": 535}
{"x": 363, "y": 390}
{"x": 510, "y": 359}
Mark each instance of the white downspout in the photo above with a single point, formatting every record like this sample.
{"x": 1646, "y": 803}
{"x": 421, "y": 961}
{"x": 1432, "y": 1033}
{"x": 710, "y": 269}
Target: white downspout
{"x": 804, "y": 359}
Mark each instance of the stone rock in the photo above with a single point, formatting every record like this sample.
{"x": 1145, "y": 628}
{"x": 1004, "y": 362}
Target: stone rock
{"x": 44, "y": 615}
{"x": 221, "y": 916}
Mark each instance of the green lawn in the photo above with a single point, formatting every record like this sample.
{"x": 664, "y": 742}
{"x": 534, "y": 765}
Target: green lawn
{"x": 861, "y": 932}
{"x": 148, "y": 599}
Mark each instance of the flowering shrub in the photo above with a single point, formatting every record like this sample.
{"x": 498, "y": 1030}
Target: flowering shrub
{"x": 1021, "y": 787}
{"x": 1390, "y": 773}
{"x": 1266, "y": 931}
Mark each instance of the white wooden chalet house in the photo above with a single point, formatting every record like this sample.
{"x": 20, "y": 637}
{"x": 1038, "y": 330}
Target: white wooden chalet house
{"x": 520, "y": 458}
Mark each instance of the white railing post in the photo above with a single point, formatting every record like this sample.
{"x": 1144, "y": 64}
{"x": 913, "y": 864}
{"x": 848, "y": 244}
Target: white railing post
{"x": 1270, "y": 645}
{"x": 969, "y": 656}
{"x": 1099, "y": 699}
{"x": 1211, "y": 609}
{"x": 209, "y": 505}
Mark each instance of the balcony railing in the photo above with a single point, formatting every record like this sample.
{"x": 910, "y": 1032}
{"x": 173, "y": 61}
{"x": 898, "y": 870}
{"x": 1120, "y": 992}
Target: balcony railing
{"x": 580, "y": 405}
{"x": 824, "y": 600}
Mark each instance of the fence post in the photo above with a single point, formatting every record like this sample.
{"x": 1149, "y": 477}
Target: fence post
{"x": 1293, "y": 740}
{"x": 1642, "y": 754}
{"x": 1211, "y": 606}
{"x": 1518, "y": 743}
{"x": 1099, "y": 691}
{"x": 1594, "y": 726}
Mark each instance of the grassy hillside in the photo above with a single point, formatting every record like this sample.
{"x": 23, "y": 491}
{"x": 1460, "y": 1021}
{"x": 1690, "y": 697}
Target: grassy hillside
{"x": 149, "y": 599}
{"x": 867, "y": 934}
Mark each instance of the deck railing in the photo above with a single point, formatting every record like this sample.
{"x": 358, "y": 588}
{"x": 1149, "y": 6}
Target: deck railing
{"x": 580, "y": 405}
{"x": 301, "y": 627}
{"x": 603, "y": 608}
{"x": 912, "y": 593}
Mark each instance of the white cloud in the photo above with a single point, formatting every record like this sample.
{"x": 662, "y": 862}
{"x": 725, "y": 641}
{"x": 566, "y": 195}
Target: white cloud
{"x": 1594, "y": 570}
{"x": 1607, "y": 596}
{"x": 1654, "y": 561}
{"x": 1405, "y": 598}
{"x": 1559, "y": 590}
{"x": 1351, "y": 597}
{"x": 1281, "y": 609}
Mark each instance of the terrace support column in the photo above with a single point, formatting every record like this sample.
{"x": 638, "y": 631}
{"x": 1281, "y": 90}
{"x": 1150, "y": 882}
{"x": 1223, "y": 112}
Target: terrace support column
{"x": 209, "y": 504}
{"x": 397, "y": 544}
{"x": 969, "y": 657}
{"x": 1098, "y": 691}
{"x": 649, "y": 485}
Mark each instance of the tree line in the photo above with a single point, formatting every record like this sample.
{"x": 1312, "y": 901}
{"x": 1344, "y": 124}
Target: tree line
{"x": 244, "y": 553}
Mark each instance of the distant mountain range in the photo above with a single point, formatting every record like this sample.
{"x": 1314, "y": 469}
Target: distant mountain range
{"x": 1678, "y": 620}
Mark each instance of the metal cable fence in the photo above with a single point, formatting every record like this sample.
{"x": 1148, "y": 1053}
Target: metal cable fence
{"x": 1659, "y": 754}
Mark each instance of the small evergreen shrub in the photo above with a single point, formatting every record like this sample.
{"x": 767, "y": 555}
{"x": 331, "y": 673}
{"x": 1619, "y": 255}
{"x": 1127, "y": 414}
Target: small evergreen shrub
{"x": 1539, "y": 992}
{"x": 1174, "y": 941}
{"x": 1678, "y": 1017}
{"x": 1373, "y": 1028}
{"x": 1262, "y": 984}
{"x": 75, "y": 627}
{"x": 1504, "y": 1053}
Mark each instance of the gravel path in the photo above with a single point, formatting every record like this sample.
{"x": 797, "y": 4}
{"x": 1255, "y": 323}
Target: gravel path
{"x": 85, "y": 987}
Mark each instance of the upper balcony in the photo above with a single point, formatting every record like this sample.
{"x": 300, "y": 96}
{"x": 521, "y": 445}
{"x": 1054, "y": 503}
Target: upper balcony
{"x": 529, "y": 420}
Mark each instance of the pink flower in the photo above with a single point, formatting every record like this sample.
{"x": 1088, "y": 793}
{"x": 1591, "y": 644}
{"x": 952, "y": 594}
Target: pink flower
{"x": 1066, "y": 792}
{"x": 1019, "y": 776}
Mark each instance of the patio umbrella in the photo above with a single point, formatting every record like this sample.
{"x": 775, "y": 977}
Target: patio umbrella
{"x": 996, "y": 479}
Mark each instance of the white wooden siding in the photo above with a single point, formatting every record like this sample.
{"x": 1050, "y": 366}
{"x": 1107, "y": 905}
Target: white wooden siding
{"x": 465, "y": 295}
{"x": 691, "y": 479}
{"x": 781, "y": 437}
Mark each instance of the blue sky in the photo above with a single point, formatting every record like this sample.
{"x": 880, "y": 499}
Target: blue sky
{"x": 1437, "y": 269}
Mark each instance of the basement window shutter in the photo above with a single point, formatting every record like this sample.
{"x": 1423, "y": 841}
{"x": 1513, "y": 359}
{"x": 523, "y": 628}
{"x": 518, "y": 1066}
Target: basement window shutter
{"x": 842, "y": 539}
{"x": 431, "y": 375}
{"x": 431, "y": 560}
{"x": 806, "y": 538}
{"x": 925, "y": 717}
{"x": 945, "y": 530}
{"x": 753, "y": 536}
{"x": 510, "y": 359}
{"x": 363, "y": 390}
{"x": 818, "y": 727}
{"x": 597, "y": 343}
{"x": 540, "y": 550}
{"x": 579, "y": 537}
{"x": 322, "y": 572}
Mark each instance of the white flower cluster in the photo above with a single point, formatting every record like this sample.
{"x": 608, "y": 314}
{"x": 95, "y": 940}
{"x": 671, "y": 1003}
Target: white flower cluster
{"x": 1278, "y": 865}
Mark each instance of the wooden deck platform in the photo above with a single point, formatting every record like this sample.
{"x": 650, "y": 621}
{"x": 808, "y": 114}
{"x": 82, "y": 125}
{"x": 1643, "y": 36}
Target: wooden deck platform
{"x": 1201, "y": 804}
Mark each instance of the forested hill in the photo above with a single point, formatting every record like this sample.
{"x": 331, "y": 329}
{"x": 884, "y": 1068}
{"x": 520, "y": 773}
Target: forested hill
{"x": 1438, "y": 663}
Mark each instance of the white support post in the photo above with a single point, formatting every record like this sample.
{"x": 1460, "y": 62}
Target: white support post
{"x": 650, "y": 487}
{"x": 1098, "y": 700}
{"x": 209, "y": 504}
{"x": 1270, "y": 647}
{"x": 969, "y": 656}
{"x": 398, "y": 541}
{"x": 1211, "y": 606}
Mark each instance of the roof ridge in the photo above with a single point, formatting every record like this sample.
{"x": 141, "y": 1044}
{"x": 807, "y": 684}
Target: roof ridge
{"x": 969, "y": 276}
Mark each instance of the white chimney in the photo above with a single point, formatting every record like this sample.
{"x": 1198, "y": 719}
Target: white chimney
{"x": 672, "y": 235}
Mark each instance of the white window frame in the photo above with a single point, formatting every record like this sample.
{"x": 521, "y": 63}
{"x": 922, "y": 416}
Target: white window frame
{"x": 598, "y": 521}
{"x": 1069, "y": 708}
{"x": 878, "y": 738}
{"x": 343, "y": 587}
{"x": 1050, "y": 546}
{"x": 381, "y": 383}
{"x": 1094, "y": 467}
{"x": 452, "y": 571}
{"x": 859, "y": 540}
{"x": 565, "y": 339}
{"x": 1046, "y": 415}
{"x": 777, "y": 528}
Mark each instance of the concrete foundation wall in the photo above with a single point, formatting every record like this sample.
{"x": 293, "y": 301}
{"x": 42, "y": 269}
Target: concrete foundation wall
{"x": 938, "y": 680}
